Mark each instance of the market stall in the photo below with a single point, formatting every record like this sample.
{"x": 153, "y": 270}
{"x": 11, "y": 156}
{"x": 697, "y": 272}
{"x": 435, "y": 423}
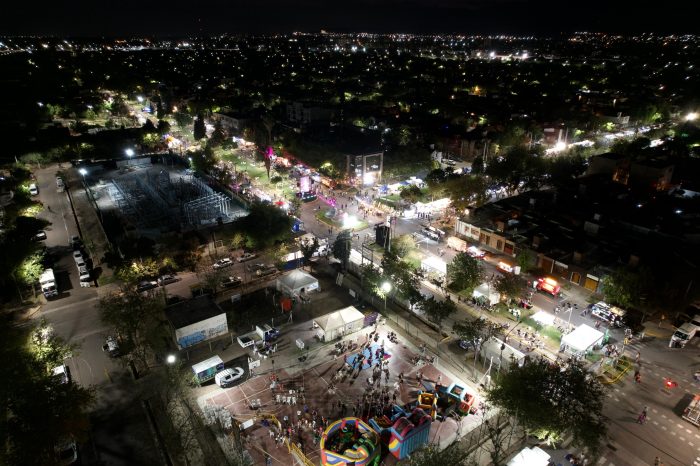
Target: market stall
{"x": 339, "y": 323}
{"x": 296, "y": 282}
{"x": 582, "y": 339}
{"x": 543, "y": 317}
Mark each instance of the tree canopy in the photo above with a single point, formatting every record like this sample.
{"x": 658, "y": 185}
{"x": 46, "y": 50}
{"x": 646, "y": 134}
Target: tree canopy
{"x": 549, "y": 400}
{"x": 464, "y": 273}
{"x": 342, "y": 247}
{"x": 265, "y": 225}
{"x": 437, "y": 311}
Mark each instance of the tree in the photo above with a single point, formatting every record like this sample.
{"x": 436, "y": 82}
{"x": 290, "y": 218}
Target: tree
{"x": 163, "y": 127}
{"x": 526, "y": 260}
{"x": 265, "y": 225}
{"x": 199, "y": 131}
{"x": 218, "y": 136}
{"x": 372, "y": 279}
{"x": 628, "y": 287}
{"x": 474, "y": 330}
{"x": 432, "y": 455}
{"x": 139, "y": 270}
{"x": 342, "y": 247}
{"x": 183, "y": 119}
{"x": 437, "y": 311}
{"x": 402, "y": 245}
{"x": 136, "y": 318}
{"x": 237, "y": 240}
{"x": 39, "y": 411}
{"x": 308, "y": 249}
{"x": 30, "y": 269}
{"x": 509, "y": 285}
{"x": 411, "y": 194}
{"x": 467, "y": 191}
{"x": 404, "y": 282}
{"x": 552, "y": 400}
{"x": 464, "y": 273}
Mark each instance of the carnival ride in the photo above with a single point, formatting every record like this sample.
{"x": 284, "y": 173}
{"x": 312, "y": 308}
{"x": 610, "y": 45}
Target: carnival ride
{"x": 350, "y": 441}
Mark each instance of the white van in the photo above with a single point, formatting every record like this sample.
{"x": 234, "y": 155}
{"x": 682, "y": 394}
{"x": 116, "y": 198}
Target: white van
{"x": 33, "y": 190}
{"x": 683, "y": 335}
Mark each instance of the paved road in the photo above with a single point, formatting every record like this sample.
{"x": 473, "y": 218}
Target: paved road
{"x": 119, "y": 434}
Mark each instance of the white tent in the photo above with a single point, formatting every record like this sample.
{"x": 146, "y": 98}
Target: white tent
{"x": 534, "y": 456}
{"x": 487, "y": 292}
{"x": 434, "y": 264}
{"x": 339, "y": 323}
{"x": 543, "y": 317}
{"x": 295, "y": 281}
{"x": 581, "y": 339}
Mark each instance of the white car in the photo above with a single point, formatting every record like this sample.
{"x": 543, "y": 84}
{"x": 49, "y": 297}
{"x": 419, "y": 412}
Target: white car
{"x": 223, "y": 263}
{"x": 84, "y": 274}
{"x": 246, "y": 256}
{"x": 33, "y": 190}
{"x": 62, "y": 373}
{"x": 227, "y": 377}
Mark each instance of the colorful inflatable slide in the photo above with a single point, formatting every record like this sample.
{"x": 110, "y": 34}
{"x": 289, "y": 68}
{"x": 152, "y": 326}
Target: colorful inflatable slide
{"x": 349, "y": 441}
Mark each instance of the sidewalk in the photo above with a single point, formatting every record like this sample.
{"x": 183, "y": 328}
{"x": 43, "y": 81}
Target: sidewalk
{"x": 86, "y": 216}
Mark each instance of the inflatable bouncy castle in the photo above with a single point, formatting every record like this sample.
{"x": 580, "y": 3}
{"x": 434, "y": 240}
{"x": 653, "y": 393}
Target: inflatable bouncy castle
{"x": 409, "y": 433}
{"x": 428, "y": 402}
{"x": 349, "y": 441}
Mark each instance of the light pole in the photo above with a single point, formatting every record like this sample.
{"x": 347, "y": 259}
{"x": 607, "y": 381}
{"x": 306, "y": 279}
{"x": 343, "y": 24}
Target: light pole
{"x": 129, "y": 153}
{"x": 83, "y": 172}
{"x": 171, "y": 359}
{"x": 386, "y": 288}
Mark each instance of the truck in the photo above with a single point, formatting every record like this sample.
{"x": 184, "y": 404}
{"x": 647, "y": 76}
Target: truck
{"x": 207, "y": 369}
{"x": 48, "y": 283}
{"x": 692, "y": 412}
{"x": 457, "y": 244}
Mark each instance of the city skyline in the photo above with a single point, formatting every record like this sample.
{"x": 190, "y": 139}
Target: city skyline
{"x": 543, "y": 17}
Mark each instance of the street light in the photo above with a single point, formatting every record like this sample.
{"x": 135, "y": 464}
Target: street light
{"x": 129, "y": 153}
{"x": 386, "y": 288}
{"x": 83, "y": 172}
{"x": 170, "y": 359}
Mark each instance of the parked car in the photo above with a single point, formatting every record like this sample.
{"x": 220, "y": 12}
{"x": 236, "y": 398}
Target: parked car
{"x": 227, "y": 377}
{"x": 33, "y": 190}
{"x": 146, "y": 285}
{"x": 267, "y": 270}
{"x": 231, "y": 282}
{"x": 223, "y": 263}
{"x": 62, "y": 373}
{"x": 40, "y": 235}
{"x": 84, "y": 273}
{"x": 75, "y": 242}
{"x": 166, "y": 279}
{"x": 246, "y": 256}
{"x": 111, "y": 347}
{"x": 255, "y": 267}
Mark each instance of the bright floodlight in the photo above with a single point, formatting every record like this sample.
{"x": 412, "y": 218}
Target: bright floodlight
{"x": 129, "y": 152}
{"x": 560, "y": 146}
{"x": 171, "y": 359}
{"x": 83, "y": 171}
{"x": 386, "y": 287}
{"x": 691, "y": 116}
{"x": 139, "y": 98}
{"x": 349, "y": 221}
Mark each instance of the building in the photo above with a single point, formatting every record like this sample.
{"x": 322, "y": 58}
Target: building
{"x": 364, "y": 169}
{"x": 305, "y": 113}
{"x": 196, "y": 320}
{"x": 655, "y": 173}
{"x": 579, "y": 234}
{"x": 229, "y": 121}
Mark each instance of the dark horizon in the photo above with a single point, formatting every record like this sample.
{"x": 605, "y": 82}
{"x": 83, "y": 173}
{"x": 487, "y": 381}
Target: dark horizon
{"x": 470, "y": 17}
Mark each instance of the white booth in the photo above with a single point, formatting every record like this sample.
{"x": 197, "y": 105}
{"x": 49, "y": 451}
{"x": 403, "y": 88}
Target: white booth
{"x": 534, "y": 456}
{"x": 339, "y": 323}
{"x": 295, "y": 281}
{"x": 582, "y": 339}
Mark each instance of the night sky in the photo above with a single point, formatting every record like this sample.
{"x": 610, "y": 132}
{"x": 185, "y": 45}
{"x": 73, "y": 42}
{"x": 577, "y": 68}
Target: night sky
{"x": 182, "y": 17}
